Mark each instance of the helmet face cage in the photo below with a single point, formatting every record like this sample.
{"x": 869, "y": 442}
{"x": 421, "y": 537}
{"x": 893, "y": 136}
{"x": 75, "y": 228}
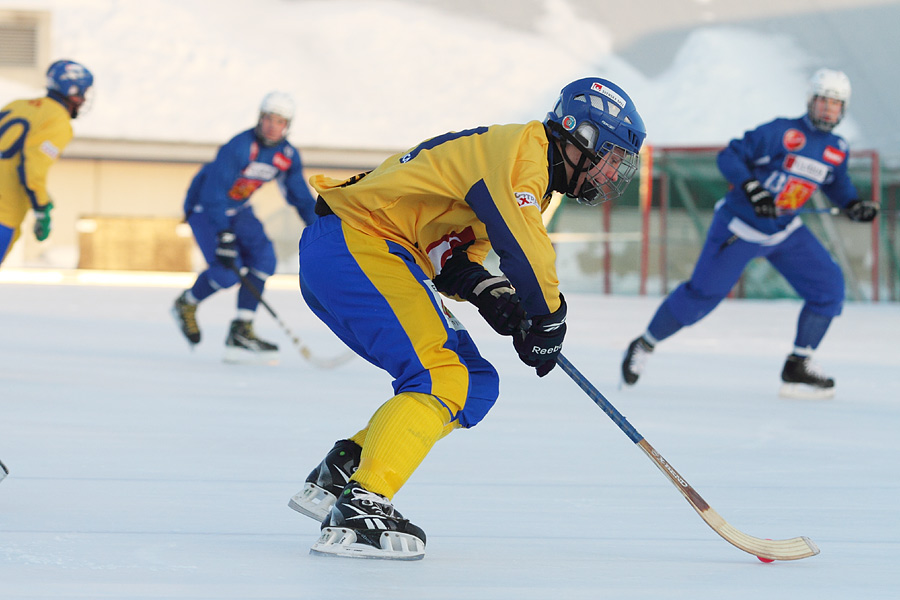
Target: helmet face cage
{"x": 600, "y": 120}
{"x": 827, "y": 83}
{"x": 609, "y": 175}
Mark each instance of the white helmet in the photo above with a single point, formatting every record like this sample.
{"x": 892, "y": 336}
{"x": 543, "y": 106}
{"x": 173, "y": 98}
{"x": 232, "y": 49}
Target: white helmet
{"x": 274, "y": 103}
{"x": 277, "y": 103}
{"x": 827, "y": 83}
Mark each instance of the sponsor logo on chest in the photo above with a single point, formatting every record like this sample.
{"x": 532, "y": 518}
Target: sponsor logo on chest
{"x": 793, "y": 140}
{"x": 258, "y": 170}
{"x": 441, "y": 250}
{"x": 806, "y": 167}
{"x": 281, "y": 161}
{"x": 833, "y": 155}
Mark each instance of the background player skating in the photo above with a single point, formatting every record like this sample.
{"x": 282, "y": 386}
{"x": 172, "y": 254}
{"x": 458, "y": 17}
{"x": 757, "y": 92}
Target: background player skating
{"x": 774, "y": 170}
{"x": 33, "y": 134}
{"x": 230, "y": 235}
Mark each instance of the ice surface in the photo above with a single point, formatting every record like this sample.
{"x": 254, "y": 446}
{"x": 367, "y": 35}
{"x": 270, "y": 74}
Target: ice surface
{"x": 140, "y": 469}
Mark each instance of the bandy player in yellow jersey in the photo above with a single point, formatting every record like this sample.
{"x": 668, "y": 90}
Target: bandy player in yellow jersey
{"x": 390, "y": 242}
{"x": 33, "y": 133}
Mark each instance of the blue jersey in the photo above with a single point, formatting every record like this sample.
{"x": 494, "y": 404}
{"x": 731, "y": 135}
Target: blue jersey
{"x": 792, "y": 159}
{"x": 223, "y": 187}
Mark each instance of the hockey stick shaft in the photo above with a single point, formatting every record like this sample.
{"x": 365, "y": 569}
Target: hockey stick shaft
{"x": 792, "y": 549}
{"x": 325, "y": 363}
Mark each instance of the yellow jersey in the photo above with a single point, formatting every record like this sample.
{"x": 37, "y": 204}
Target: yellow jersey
{"x": 33, "y": 133}
{"x": 481, "y": 188}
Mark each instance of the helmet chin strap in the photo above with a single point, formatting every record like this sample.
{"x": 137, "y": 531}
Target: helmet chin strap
{"x": 561, "y": 158}
{"x": 71, "y": 107}
{"x": 577, "y": 170}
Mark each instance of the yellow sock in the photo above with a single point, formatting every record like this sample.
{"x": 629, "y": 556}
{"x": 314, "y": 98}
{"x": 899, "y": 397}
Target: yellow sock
{"x": 399, "y": 436}
{"x": 449, "y": 427}
{"x": 360, "y": 437}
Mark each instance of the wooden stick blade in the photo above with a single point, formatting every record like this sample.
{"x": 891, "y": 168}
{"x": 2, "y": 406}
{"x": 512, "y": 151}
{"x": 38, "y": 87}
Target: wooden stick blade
{"x": 790, "y": 549}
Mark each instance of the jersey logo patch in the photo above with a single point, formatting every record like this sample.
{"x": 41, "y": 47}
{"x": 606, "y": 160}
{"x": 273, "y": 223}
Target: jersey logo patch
{"x": 49, "y": 149}
{"x": 258, "y": 170}
{"x": 281, "y": 161}
{"x": 243, "y": 188}
{"x": 833, "y": 155}
{"x": 793, "y": 140}
{"x": 438, "y": 252}
{"x": 795, "y": 194}
{"x": 806, "y": 167}
{"x": 525, "y": 199}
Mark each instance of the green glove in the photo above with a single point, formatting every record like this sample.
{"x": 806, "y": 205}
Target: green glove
{"x": 42, "y": 222}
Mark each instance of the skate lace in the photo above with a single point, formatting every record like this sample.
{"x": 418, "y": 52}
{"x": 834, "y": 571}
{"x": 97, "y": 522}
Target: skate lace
{"x": 377, "y": 503}
{"x": 189, "y": 316}
{"x": 814, "y": 370}
{"x": 638, "y": 358}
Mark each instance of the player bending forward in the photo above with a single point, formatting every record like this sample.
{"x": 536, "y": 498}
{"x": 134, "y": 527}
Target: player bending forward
{"x": 774, "y": 170}
{"x": 421, "y": 223}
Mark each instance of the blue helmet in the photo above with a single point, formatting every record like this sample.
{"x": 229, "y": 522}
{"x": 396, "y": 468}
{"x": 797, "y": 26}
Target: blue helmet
{"x": 68, "y": 82}
{"x": 600, "y": 120}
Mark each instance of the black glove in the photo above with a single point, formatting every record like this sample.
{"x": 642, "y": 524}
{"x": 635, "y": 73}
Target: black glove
{"x": 226, "y": 250}
{"x": 42, "y": 222}
{"x": 860, "y": 211}
{"x": 762, "y": 201}
{"x": 494, "y": 296}
{"x": 499, "y": 305}
{"x": 540, "y": 344}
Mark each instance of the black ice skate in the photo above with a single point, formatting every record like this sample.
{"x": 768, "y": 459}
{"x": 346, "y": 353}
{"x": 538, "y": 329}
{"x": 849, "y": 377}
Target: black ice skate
{"x": 803, "y": 379}
{"x": 362, "y": 524}
{"x": 242, "y": 345}
{"x": 326, "y": 481}
{"x": 635, "y": 359}
{"x": 3, "y": 471}
{"x": 186, "y": 316}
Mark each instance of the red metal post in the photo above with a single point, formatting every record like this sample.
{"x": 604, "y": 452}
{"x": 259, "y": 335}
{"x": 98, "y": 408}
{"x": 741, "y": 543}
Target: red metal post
{"x": 607, "y": 248}
{"x": 876, "y": 238}
{"x": 663, "y": 233}
{"x": 645, "y": 193}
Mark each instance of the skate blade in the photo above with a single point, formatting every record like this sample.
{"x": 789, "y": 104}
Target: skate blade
{"x": 341, "y": 542}
{"x": 191, "y": 344}
{"x": 3, "y": 471}
{"x": 240, "y": 356}
{"x": 802, "y": 391}
{"x": 313, "y": 502}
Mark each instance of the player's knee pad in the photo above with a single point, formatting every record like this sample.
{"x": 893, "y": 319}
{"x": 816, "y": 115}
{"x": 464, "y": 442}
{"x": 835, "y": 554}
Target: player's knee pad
{"x": 260, "y": 274}
{"x": 832, "y": 301}
{"x": 484, "y": 389}
{"x": 263, "y": 262}
{"x": 689, "y": 304}
{"x": 222, "y": 278}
